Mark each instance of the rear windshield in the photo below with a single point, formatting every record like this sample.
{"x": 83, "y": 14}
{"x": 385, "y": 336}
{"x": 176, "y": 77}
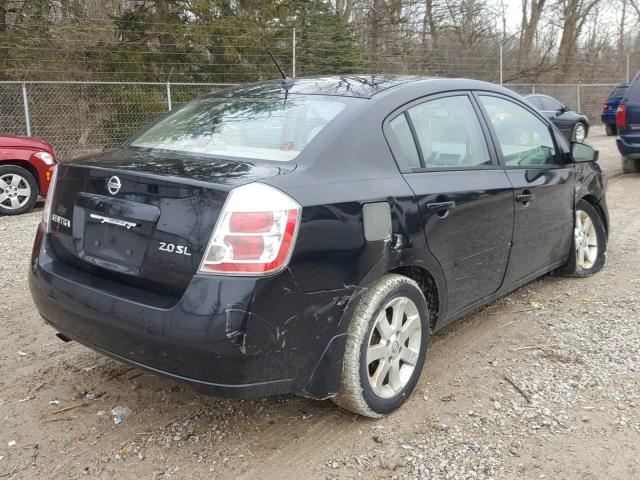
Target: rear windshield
{"x": 273, "y": 129}
{"x": 618, "y": 92}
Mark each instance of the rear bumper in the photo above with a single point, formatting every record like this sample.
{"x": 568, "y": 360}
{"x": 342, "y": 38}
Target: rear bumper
{"x": 236, "y": 337}
{"x": 627, "y": 149}
{"x": 608, "y": 118}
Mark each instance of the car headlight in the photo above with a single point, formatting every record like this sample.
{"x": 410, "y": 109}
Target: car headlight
{"x": 46, "y": 157}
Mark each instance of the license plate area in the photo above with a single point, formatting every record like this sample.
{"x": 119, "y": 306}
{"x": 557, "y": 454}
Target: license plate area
{"x": 114, "y": 232}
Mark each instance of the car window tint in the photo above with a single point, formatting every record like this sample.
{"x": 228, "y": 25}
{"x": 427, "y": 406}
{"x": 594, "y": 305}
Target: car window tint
{"x": 550, "y": 104}
{"x": 404, "y": 138}
{"x": 272, "y": 128}
{"x": 449, "y": 133}
{"x": 535, "y": 101}
{"x": 524, "y": 139}
{"x": 618, "y": 92}
{"x": 633, "y": 92}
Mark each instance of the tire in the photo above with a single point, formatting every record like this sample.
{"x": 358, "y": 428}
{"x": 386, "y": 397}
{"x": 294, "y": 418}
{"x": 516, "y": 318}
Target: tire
{"x": 611, "y": 130}
{"x": 579, "y": 265}
{"x": 630, "y": 165}
{"x": 18, "y": 190}
{"x": 358, "y": 391}
{"x": 579, "y": 132}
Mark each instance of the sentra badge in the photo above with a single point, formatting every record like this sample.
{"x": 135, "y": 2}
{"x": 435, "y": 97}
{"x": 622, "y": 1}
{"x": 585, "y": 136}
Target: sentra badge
{"x": 61, "y": 220}
{"x": 114, "y": 221}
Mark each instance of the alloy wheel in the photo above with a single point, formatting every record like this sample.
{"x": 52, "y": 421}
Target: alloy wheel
{"x": 393, "y": 347}
{"x": 580, "y": 133}
{"x": 14, "y": 191}
{"x": 586, "y": 241}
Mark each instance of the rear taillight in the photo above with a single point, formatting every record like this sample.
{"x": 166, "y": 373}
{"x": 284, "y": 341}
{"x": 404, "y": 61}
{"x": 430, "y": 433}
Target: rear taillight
{"x": 255, "y": 232}
{"x": 621, "y": 116}
{"x": 605, "y": 106}
{"x": 46, "y": 212}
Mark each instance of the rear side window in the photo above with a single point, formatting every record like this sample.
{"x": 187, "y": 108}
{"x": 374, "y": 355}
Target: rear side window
{"x": 618, "y": 93}
{"x": 535, "y": 101}
{"x": 550, "y": 104}
{"x": 633, "y": 92}
{"x": 449, "y": 134}
{"x": 274, "y": 128}
{"x": 404, "y": 138}
{"x": 524, "y": 139}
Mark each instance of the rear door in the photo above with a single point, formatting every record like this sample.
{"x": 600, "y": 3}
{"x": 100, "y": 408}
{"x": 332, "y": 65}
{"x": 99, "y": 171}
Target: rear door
{"x": 464, "y": 197}
{"x": 544, "y": 186}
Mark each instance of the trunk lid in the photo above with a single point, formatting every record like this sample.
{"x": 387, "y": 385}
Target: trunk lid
{"x": 143, "y": 218}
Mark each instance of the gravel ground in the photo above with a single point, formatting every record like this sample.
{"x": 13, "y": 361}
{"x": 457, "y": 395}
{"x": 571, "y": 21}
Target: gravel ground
{"x": 544, "y": 383}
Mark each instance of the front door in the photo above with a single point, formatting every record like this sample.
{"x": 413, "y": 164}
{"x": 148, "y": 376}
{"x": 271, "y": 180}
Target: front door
{"x": 465, "y": 198}
{"x": 543, "y": 183}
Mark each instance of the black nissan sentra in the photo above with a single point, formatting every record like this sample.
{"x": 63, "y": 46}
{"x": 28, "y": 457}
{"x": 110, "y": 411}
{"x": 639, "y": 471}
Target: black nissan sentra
{"x": 309, "y": 235}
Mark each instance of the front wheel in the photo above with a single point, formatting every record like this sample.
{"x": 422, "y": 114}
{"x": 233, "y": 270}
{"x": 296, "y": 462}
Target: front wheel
{"x": 589, "y": 242}
{"x": 18, "y": 190}
{"x": 579, "y": 132}
{"x": 386, "y": 347}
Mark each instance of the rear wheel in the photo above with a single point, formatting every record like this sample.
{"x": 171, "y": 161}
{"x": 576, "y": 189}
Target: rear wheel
{"x": 630, "y": 165}
{"x": 579, "y": 132}
{"x": 611, "y": 130}
{"x": 18, "y": 190}
{"x": 386, "y": 348}
{"x": 589, "y": 242}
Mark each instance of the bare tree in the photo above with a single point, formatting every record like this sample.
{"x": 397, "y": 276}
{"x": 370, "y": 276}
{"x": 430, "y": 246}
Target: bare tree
{"x": 531, "y": 15}
{"x": 574, "y": 15}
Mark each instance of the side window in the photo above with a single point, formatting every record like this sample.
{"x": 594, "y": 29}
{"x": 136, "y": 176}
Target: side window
{"x": 449, "y": 133}
{"x": 535, "y": 101}
{"x": 551, "y": 104}
{"x": 404, "y": 138}
{"x": 524, "y": 139}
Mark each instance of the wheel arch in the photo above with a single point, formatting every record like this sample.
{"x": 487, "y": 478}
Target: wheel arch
{"x": 590, "y": 198}
{"x": 429, "y": 286}
{"x": 27, "y": 166}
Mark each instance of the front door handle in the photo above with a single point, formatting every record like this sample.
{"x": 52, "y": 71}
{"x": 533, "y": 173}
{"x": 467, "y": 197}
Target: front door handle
{"x": 525, "y": 198}
{"x": 441, "y": 205}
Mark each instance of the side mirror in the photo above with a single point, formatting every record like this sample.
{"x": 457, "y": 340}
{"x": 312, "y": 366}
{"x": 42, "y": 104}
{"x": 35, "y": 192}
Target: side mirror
{"x": 563, "y": 110}
{"x": 582, "y": 153}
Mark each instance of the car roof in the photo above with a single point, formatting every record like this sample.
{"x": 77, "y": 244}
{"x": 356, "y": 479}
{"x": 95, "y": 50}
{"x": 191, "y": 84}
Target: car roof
{"x": 358, "y": 86}
{"x": 531, "y": 95}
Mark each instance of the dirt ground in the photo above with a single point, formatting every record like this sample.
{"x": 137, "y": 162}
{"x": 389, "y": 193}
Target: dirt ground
{"x": 544, "y": 383}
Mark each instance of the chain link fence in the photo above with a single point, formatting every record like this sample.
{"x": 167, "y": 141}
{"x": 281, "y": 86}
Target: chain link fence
{"x": 80, "y": 118}
{"x": 587, "y": 99}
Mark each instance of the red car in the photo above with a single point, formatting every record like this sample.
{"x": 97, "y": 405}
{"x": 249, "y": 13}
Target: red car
{"x": 26, "y": 166}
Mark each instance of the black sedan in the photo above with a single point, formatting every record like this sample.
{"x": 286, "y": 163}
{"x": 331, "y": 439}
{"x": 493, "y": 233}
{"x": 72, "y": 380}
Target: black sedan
{"x": 309, "y": 235}
{"x": 573, "y": 125}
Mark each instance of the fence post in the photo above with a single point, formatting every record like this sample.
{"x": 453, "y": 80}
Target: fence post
{"x": 25, "y": 102}
{"x": 169, "y": 96}
{"x": 628, "y": 71}
{"x": 293, "y": 55}
{"x": 578, "y": 95}
{"x": 533, "y": 89}
{"x": 501, "y": 73}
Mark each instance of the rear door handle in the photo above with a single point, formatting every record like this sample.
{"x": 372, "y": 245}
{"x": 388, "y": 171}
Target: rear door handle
{"x": 441, "y": 205}
{"x": 525, "y": 197}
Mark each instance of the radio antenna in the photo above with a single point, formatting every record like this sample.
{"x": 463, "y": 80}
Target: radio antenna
{"x": 286, "y": 81}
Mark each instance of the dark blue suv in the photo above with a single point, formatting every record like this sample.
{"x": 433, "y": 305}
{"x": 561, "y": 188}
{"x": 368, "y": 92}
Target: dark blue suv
{"x": 610, "y": 107}
{"x": 628, "y": 122}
